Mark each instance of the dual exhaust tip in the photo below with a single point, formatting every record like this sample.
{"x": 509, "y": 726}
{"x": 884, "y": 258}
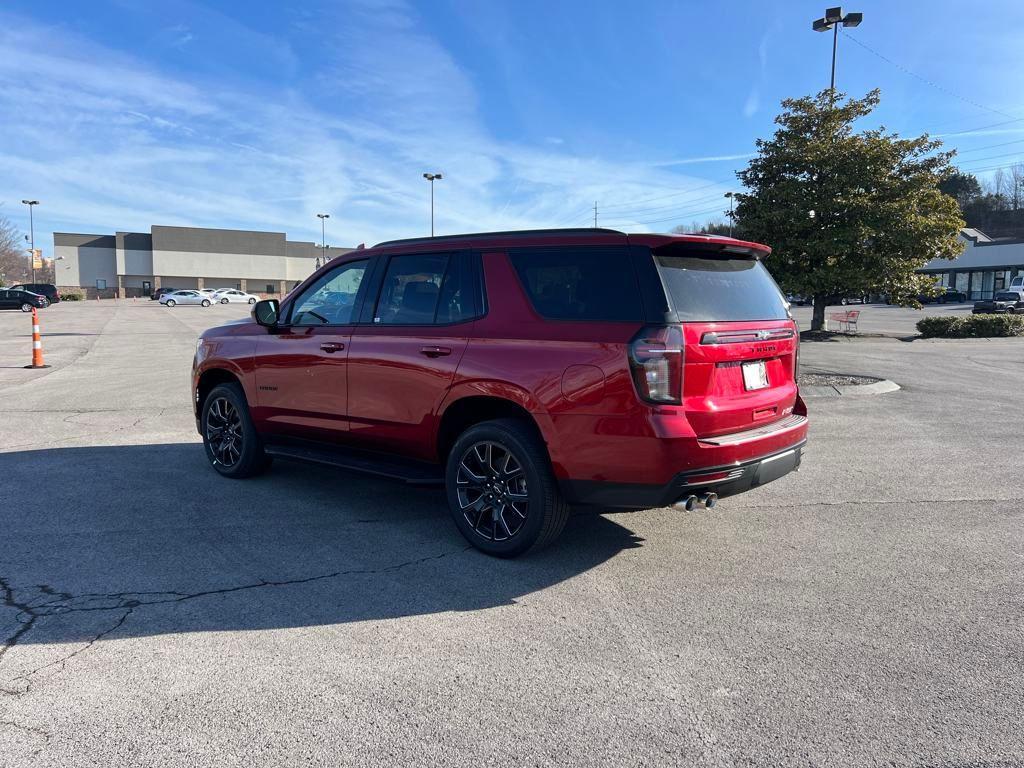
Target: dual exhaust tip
{"x": 690, "y": 503}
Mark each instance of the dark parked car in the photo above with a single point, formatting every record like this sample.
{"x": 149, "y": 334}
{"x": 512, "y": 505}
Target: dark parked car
{"x": 949, "y": 295}
{"x": 155, "y": 295}
{"x": 1004, "y": 302}
{"x": 49, "y": 290}
{"x": 797, "y": 299}
{"x": 26, "y": 301}
{"x": 523, "y": 371}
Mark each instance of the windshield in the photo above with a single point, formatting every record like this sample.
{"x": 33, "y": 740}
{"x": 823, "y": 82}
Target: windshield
{"x": 704, "y": 288}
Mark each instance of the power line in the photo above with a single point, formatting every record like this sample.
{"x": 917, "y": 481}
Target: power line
{"x": 923, "y": 79}
{"x": 989, "y": 146}
{"x": 991, "y": 157}
{"x": 662, "y": 197}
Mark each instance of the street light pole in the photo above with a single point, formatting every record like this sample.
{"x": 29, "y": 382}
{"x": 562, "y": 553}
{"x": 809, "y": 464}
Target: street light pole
{"x": 432, "y": 177}
{"x": 832, "y": 19}
{"x": 730, "y": 195}
{"x": 32, "y": 230}
{"x": 323, "y": 237}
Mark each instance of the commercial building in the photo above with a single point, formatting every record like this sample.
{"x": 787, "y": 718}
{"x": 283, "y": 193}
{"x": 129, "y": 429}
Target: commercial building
{"x": 128, "y": 264}
{"x": 985, "y": 266}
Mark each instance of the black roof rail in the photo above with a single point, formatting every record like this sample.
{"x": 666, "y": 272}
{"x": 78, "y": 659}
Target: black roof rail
{"x": 509, "y": 233}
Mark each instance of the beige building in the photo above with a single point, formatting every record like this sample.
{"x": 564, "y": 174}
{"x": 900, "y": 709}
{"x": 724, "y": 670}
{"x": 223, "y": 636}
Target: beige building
{"x": 130, "y": 264}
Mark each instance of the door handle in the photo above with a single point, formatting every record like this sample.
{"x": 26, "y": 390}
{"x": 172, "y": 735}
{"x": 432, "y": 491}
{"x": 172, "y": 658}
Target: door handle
{"x": 432, "y": 351}
{"x": 332, "y": 346}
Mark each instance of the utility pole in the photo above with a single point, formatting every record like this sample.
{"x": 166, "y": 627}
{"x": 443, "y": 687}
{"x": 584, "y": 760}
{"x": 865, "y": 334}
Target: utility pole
{"x": 832, "y": 19}
{"x": 432, "y": 177}
{"x": 730, "y": 196}
{"x": 32, "y": 229}
{"x": 595, "y": 214}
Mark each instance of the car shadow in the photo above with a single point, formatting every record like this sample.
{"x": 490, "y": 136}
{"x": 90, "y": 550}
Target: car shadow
{"x": 139, "y": 540}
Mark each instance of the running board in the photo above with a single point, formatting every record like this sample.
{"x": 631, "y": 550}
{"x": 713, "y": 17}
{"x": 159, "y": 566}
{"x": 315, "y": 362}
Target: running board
{"x": 369, "y": 463}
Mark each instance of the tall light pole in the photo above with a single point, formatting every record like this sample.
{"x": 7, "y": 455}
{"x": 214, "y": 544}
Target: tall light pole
{"x": 32, "y": 229}
{"x": 323, "y": 237}
{"x": 832, "y": 19}
{"x": 730, "y": 195}
{"x": 432, "y": 177}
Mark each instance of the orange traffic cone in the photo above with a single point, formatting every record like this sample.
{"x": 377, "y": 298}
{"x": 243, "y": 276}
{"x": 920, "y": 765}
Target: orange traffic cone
{"x": 37, "y": 344}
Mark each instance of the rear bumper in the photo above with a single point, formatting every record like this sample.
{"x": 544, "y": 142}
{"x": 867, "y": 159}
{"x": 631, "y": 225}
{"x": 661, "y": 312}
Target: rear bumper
{"x": 725, "y": 480}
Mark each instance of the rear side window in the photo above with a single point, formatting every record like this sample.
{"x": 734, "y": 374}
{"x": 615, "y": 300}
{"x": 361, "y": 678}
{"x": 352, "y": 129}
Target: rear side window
{"x": 705, "y": 288}
{"x": 426, "y": 289}
{"x": 580, "y": 283}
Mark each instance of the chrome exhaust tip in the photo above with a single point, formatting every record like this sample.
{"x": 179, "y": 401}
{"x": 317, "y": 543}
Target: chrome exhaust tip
{"x": 709, "y": 500}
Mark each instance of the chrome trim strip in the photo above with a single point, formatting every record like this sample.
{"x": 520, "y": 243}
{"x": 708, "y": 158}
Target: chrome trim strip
{"x": 790, "y": 422}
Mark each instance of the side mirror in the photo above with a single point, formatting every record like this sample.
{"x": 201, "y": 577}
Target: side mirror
{"x": 265, "y": 312}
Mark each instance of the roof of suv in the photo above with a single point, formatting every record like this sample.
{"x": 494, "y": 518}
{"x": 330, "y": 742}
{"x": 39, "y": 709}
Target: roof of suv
{"x": 591, "y": 236}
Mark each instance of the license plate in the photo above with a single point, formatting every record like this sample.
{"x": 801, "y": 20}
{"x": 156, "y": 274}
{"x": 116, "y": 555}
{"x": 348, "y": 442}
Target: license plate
{"x": 755, "y": 375}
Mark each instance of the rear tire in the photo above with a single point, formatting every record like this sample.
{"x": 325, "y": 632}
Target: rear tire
{"x": 171, "y": 302}
{"x": 501, "y": 491}
{"x": 223, "y": 301}
{"x": 233, "y": 446}
{"x": 252, "y": 301}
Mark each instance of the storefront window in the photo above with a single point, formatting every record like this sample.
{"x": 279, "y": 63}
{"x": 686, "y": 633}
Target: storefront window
{"x": 1000, "y": 282}
{"x": 961, "y": 282}
{"x": 976, "y": 285}
{"x": 987, "y": 282}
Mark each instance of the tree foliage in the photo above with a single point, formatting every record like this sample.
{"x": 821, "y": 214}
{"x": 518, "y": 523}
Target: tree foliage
{"x": 847, "y": 212}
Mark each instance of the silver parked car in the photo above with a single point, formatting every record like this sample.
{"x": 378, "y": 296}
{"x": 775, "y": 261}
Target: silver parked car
{"x": 233, "y": 296}
{"x": 185, "y": 297}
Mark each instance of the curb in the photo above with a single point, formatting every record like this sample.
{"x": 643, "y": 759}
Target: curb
{"x": 845, "y": 390}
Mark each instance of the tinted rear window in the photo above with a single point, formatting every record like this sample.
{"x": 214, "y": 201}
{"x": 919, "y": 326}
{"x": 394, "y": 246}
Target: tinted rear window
{"x": 1007, "y": 297}
{"x": 580, "y": 283}
{"x": 702, "y": 288}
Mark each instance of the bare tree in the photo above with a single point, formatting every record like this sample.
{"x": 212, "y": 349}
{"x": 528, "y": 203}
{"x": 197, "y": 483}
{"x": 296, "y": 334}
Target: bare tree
{"x": 15, "y": 266}
{"x": 1016, "y": 182}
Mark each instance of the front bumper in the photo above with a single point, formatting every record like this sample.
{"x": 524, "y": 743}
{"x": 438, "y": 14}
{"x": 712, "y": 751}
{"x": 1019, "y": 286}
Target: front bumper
{"x": 725, "y": 480}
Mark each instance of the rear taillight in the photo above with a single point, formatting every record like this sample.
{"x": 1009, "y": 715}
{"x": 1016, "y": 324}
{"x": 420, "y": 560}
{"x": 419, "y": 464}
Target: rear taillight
{"x": 656, "y": 360}
{"x": 796, "y": 358}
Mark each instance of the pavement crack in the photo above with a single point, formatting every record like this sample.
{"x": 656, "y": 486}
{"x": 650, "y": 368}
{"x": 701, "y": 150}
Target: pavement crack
{"x": 51, "y": 602}
{"x": 32, "y": 729}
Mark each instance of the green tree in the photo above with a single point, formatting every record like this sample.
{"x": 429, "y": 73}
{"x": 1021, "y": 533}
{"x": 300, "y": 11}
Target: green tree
{"x": 962, "y": 187}
{"x": 847, "y": 212}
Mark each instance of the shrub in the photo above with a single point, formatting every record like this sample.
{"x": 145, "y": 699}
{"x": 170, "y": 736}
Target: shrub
{"x": 71, "y": 296}
{"x": 975, "y": 326}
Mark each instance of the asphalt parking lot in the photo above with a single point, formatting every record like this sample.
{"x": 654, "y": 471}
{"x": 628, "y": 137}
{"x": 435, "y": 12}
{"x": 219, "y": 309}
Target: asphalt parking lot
{"x": 867, "y": 610}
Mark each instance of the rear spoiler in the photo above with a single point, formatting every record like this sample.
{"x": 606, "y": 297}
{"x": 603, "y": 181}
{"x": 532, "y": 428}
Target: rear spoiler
{"x": 724, "y": 248}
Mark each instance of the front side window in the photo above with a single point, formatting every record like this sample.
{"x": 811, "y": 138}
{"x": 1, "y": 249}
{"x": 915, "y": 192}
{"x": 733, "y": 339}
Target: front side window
{"x": 331, "y": 299}
{"x": 415, "y": 288}
{"x": 580, "y": 283}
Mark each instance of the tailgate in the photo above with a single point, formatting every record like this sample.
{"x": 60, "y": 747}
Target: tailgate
{"x": 738, "y": 375}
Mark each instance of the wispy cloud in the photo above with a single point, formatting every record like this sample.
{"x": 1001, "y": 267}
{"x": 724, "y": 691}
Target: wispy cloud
{"x": 116, "y": 144}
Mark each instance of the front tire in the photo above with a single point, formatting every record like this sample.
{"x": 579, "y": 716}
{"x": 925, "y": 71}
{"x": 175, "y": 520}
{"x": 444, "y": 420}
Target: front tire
{"x": 501, "y": 492}
{"x": 223, "y": 301}
{"x": 205, "y": 302}
{"x": 232, "y": 444}
{"x": 252, "y": 301}
{"x": 26, "y": 307}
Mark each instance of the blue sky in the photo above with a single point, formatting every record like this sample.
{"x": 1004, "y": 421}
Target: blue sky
{"x": 119, "y": 115}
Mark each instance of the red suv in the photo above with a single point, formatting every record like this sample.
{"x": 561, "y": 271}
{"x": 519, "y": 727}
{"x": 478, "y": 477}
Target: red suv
{"x": 524, "y": 371}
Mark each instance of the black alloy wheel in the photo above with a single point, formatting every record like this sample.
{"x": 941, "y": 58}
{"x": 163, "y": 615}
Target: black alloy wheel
{"x": 502, "y": 493}
{"x": 493, "y": 495}
{"x": 232, "y": 444}
{"x": 224, "y": 432}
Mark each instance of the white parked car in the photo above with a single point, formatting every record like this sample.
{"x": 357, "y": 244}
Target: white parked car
{"x": 185, "y": 297}
{"x": 233, "y": 296}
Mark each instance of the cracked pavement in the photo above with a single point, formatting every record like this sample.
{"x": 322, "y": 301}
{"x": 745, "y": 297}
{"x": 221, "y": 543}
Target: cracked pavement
{"x": 867, "y": 610}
